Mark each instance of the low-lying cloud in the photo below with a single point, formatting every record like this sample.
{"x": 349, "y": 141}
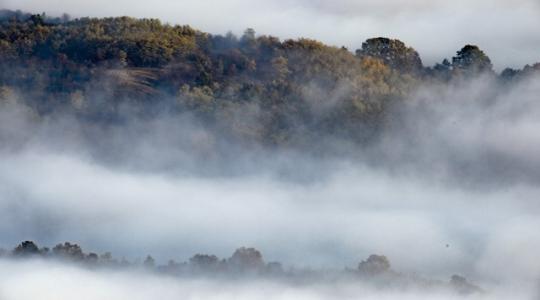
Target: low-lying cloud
{"x": 448, "y": 185}
{"x": 451, "y": 187}
{"x": 56, "y": 281}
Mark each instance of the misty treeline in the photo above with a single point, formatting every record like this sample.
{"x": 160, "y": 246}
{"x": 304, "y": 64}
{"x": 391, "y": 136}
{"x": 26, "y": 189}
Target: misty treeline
{"x": 244, "y": 263}
{"x": 254, "y": 88}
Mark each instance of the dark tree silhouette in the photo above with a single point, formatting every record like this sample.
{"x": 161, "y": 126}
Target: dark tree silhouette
{"x": 68, "y": 251}
{"x": 149, "y": 262}
{"x": 471, "y": 61}
{"x": 246, "y": 259}
{"x": 374, "y": 265}
{"x": 92, "y": 258}
{"x": 245, "y": 262}
{"x": 26, "y": 248}
{"x": 204, "y": 262}
{"x": 393, "y": 53}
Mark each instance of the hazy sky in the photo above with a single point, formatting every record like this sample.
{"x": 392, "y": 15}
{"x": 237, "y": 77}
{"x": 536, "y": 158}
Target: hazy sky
{"x": 509, "y": 31}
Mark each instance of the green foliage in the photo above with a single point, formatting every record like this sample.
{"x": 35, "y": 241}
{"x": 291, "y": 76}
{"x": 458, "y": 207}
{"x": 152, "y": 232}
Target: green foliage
{"x": 197, "y": 98}
{"x": 257, "y": 88}
{"x": 394, "y": 53}
{"x": 471, "y": 60}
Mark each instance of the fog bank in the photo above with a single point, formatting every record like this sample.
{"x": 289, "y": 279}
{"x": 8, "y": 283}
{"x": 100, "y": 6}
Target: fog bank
{"x": 451, "y": 186}
{"x": 56, "y": 281}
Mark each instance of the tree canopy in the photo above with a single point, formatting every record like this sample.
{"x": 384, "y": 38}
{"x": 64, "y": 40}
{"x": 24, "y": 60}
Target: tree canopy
{"x": 255, "y": 88}
{"x": 472, "y": 60}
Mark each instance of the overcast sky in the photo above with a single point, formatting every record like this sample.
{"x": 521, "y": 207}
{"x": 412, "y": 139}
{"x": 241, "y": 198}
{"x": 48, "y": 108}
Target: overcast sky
{"x": 509, "y": 31}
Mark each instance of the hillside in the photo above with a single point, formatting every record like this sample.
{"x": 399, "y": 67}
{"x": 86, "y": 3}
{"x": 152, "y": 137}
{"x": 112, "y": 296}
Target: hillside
{"x": 258, "y": 88}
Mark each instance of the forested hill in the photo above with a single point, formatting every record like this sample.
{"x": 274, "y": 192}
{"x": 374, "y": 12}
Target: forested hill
{"x": 256, "y": 87}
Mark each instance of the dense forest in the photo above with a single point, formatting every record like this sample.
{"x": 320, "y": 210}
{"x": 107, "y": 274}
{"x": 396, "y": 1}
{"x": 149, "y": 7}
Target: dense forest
{"x": 244, "y": 263}
{"x": 255, "y": 88}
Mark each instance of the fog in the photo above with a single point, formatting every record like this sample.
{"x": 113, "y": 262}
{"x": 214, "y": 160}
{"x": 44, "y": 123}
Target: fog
{"x": 451, "y": 187}
{"x": 55, "y": 281}
{"x": 507, "y": 30}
